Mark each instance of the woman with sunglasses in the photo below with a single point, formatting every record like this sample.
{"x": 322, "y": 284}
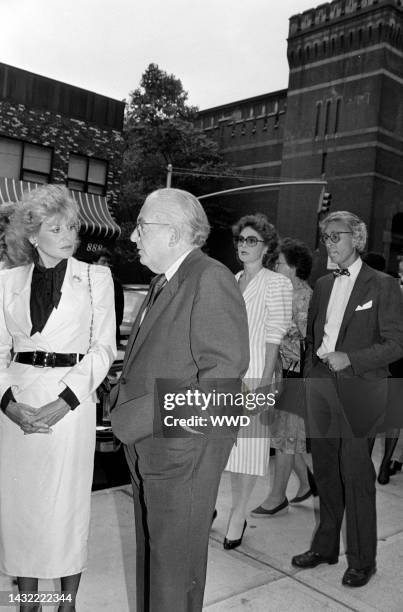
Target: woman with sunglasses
{"x": 268, "y": 300}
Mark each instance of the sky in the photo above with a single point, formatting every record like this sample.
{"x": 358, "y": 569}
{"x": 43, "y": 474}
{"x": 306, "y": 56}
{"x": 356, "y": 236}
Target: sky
{"x": 222, "y": 50}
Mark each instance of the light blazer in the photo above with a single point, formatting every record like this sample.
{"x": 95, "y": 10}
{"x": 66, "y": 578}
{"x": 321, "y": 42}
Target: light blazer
{"x": 66, "y": 331}
{"x": 371, "y": 333}
{"x": 196, "y": 331}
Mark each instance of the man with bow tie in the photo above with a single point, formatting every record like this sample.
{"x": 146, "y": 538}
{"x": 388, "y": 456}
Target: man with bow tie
{"x": 190, "y": 335}
{"x": 355, "y": 329}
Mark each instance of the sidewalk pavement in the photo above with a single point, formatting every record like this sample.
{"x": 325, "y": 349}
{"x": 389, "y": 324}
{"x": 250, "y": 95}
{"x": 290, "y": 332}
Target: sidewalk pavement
{"x": 256, "y": 577}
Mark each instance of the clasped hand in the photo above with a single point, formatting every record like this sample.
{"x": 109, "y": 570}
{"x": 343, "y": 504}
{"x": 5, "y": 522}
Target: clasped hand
{"x": 32, "y": 420}
{"x": 336, "y": 361}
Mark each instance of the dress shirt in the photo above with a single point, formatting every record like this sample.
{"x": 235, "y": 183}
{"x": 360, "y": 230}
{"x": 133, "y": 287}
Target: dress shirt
{"x": 169, "y": 274}
{"x": 175, "y": 266}
{"x": 341, "y": 291}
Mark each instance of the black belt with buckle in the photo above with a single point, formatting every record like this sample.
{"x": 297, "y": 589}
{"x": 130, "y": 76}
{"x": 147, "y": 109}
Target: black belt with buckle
{"x": 40, "y": 359}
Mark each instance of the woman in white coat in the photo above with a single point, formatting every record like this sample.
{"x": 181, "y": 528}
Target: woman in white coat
{"x": 57, "y": 343}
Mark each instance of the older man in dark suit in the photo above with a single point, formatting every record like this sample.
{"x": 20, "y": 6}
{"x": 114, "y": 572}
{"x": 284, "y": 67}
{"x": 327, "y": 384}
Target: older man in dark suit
{"x": 190, "y": 336}
{"x": 355, "y": 329}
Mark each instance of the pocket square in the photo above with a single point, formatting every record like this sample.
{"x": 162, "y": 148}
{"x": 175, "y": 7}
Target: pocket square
{"x": 365, "y": 306}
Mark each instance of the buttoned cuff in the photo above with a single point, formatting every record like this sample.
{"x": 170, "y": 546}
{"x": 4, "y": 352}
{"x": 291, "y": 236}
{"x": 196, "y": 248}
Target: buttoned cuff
{"x": 69, "y": 397}
{"x": 6, "y": 399}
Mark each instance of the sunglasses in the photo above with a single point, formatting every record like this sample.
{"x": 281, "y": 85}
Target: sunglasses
{"x": 333, "y": 237}
{"x": 249, "y": 240}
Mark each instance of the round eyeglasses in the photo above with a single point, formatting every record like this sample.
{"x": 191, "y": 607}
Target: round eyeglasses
{"x": 333, "y": 237}
{"x": 139, "y": 227}
{"x": 249, "y": 240}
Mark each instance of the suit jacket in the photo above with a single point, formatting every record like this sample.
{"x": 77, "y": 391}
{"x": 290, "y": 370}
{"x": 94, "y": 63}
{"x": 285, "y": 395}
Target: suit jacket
{"x": 195, "y": 336}
{"x": 66, "y": 331}
{"x": 371, "y": 333}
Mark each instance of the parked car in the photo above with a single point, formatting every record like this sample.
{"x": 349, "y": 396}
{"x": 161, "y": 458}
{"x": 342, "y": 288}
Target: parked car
{"x": 105, "y": 441}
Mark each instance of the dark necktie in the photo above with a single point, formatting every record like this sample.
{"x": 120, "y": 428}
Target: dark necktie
{"x": 341, "y": 272}
{"x": 156, "y": 286}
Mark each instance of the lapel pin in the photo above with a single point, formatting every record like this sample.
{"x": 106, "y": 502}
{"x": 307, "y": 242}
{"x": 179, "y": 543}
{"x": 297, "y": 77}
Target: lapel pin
{"x": 76, "y": 278}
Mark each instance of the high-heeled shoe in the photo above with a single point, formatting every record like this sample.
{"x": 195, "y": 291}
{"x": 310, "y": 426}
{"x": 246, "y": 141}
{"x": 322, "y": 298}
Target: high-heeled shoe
{"x": 301, "y": 498}
{"x": 231, "y": 544}
{"x": 312, "y": 483}
{"x": 278, "y": 510}
{"x": 394, "y": 467}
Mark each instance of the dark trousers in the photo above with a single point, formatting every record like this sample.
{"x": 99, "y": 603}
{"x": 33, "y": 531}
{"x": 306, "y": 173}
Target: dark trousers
{"x": 175, "y": 485}
{"x": 344, "y": 474}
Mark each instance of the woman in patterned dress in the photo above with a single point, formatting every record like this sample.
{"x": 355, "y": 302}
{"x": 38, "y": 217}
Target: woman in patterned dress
{"x": 268, "y": 300}
{"x": 287, "y": 426}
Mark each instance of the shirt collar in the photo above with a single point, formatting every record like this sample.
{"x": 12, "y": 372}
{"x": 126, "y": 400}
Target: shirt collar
{"x": 174, "y": 267}
{"x": 355, "y": 268}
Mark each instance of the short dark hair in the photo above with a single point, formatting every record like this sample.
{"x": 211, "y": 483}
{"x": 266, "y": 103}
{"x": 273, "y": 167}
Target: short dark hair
{"x": 298, "y": 255}
{"x": 266, "y": 230}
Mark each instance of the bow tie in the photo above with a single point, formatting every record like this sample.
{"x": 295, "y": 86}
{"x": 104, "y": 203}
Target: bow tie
{"x": 341, "y": 272}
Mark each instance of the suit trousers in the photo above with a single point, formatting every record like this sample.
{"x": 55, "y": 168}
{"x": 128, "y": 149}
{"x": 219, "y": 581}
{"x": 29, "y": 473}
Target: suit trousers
{"x": 344, "y": 474}
{"x": 175, "y": 484}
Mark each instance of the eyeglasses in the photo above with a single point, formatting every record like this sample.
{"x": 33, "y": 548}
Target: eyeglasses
{"x": 333, "y": 237}
{"x": 139, "y": 227}
{"x": 249, "y": 240}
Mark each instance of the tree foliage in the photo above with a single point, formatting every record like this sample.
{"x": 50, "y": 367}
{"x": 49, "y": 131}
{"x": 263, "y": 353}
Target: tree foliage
{"x": 160, "y": 130}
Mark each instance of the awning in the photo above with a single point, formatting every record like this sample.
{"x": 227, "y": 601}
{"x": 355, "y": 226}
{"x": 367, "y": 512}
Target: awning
{"x": 95, "y": 218}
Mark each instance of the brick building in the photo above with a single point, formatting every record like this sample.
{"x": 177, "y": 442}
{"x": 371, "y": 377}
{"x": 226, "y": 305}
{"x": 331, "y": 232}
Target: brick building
{"x": 51, "y": 132}
{"x": 341, "y": 119}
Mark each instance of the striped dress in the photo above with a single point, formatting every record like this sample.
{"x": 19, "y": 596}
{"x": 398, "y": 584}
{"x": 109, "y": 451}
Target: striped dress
{"x": 268, "y": 300}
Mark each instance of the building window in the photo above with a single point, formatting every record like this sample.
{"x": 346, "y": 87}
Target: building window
{"x": 323, "y": 164}
{"x": 317, "y": 120}
{"x": 87, "y": 174}
{"x": 327, "y": 116}
{"x": 337, "y": 115}
{"x": 25, "y": 161}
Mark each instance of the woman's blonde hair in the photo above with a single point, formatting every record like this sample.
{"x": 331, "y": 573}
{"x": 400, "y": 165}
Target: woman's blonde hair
{"x": 35, "y": 207}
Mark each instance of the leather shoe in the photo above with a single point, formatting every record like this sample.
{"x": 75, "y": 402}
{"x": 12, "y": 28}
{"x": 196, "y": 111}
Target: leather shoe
{"x": 301, "y": 498}
{"x": 384, "y": 473}
{"x": 311, "y": 559}
{"x": 358, "y": 577}
{"x": 261, "y": 512}
{"x": 231, "y": 544}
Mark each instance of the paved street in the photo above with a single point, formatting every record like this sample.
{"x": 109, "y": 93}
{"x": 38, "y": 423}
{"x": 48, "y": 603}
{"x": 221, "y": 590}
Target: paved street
{"x": 258, "y": 576}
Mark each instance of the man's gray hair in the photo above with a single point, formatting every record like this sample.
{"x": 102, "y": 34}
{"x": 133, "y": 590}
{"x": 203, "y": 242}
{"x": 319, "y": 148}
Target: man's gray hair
{"x": 184, "y": 210}
{"x": 354, "y": 223}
